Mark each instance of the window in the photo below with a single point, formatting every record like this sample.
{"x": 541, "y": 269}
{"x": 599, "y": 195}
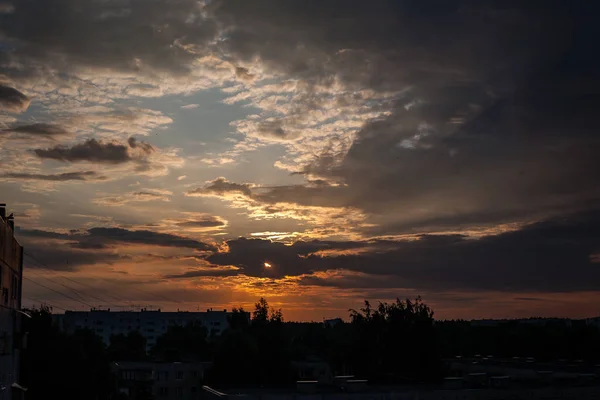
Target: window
{"x": 14, "y": 288}
{"x": 4, "y": 343}
{"x": 193, "y": 389}
{"x": 179, "y": 375}
{"x": 5, "y": 295}
{"x": 163, "y": 391}
{"x": 179, "y": 392}
{"x": 128, "y": 375}
{"x": 194, "y": 374}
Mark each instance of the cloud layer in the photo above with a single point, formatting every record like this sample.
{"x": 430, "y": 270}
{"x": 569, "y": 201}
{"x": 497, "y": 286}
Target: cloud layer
{"x": 446, "y": 148}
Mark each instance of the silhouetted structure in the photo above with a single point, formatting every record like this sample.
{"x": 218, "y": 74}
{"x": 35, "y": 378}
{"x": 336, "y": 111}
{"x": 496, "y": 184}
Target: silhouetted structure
{"x": 159, "y": 380}
{"x": 11, "y": 274}
{"x": 150, "y": 324}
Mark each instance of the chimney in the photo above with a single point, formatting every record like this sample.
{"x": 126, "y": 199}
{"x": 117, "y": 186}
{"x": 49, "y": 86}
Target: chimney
{"x": 11, "y": 221}
{"x": 3, "y": 210}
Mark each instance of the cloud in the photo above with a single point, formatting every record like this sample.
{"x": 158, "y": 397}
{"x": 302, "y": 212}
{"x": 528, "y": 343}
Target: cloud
{"x": 244, "y": 74}
{"x": 508, "y": 261}
{"x": 96, "y": 151}
{"x": 6, "y": 8}
{"x": 466, "y": 128}
{"x": 110, "y": 236}
{"x": 66, "y": 176}
{"x": 281, "y": 202}
{"x": 403, "y": 119}
{"x": 91, "y": 150}
{"x": 142, "y": 146}
{"x": 138, "y": 196}
{"x": 190, "y": 106}
{"x": 164, "y": 37}
{"x": 67, "y": 259}
{"x": 207, "y": 221}
{"x": 221, "y": 186}
{"x": 145, "y": 237}
{"x": 12, "y": 100}
{"x": 38, "y": 129}
{"x": 204, "y": 272}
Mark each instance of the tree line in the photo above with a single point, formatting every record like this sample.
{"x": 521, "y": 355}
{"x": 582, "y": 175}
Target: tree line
{"x": 397, "y": 342}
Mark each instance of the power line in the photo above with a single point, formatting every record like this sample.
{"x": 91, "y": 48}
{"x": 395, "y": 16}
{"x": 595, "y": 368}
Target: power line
{"x": 59, "y": 292}
{"x": 46, "y": 303}
{"x": 90, "y": 286}
{"x": 47, "y": 268}
{"x": 44, "y": 266}
{"x": 78, "y": 292}
{"x": 75, "y": 291}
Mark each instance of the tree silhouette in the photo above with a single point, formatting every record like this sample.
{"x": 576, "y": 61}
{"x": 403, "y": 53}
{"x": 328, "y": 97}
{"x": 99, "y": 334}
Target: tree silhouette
{"x": 183, "y": 343}
{"x": 396, "y": 341}
{"x": 130, "y": 347}
{"x": 60, "y": 365}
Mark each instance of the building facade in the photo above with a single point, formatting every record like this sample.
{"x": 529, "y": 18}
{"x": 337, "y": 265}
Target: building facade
{"x": 11, "y": 274}
{"x": 161, "y": 381}
{"x": 151, "y": 324}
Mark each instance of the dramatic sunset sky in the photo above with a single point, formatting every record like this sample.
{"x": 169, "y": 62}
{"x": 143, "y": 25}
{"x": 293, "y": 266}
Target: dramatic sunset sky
{"x": 163, "y": 152}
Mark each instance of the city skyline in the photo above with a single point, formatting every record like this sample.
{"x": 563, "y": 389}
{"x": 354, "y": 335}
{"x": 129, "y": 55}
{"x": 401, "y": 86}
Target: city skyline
{"x": 185, "y": 154}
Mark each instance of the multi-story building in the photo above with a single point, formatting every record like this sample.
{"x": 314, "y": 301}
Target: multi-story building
{"x": 151, "y": 324}
{"x": 143, "y": 380}
{"x": 11, "y": 274}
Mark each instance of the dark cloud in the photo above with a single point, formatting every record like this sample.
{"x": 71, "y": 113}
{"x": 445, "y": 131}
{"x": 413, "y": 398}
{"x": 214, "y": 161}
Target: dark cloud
{"x": 550, "y": 256}
{"x": 222, "y": 186}
{"x": 39, "y": 255}
{"x": 91, "y": 150}
{"x": 12, "y": 100}
{"x": 496, "y": 121}
{"x": 206, "y": 272}
{"x": 160, "y": 36}
{"x": 101, "y": 237}
{"x": 275, "y": 129}
{"x": 203, "y": 222}
{"x": 38, "y": 129}
{"x": 243, "y": 74}
{"x": 145, "y": 237}
{"x": 389, "y": 44}
{"x": 143, "y": 146}
{"x": 251, "y": 254}
{"x": 67, "y": 176}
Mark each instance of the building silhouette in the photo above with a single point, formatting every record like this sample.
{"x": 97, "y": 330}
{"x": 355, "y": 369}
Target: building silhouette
{"x": 11, "y": 275}
{"x": 151, "y": 324}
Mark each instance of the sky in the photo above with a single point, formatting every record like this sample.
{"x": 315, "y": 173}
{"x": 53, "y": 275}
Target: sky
{"x": 188, "y": 154}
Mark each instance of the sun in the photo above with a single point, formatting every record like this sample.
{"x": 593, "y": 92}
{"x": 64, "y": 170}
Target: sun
{"x": 267, "y": 265}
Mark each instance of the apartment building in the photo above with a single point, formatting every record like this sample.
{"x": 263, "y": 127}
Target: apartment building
{"x": 150, "y": 323}
{"x": 11, "y": 274}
